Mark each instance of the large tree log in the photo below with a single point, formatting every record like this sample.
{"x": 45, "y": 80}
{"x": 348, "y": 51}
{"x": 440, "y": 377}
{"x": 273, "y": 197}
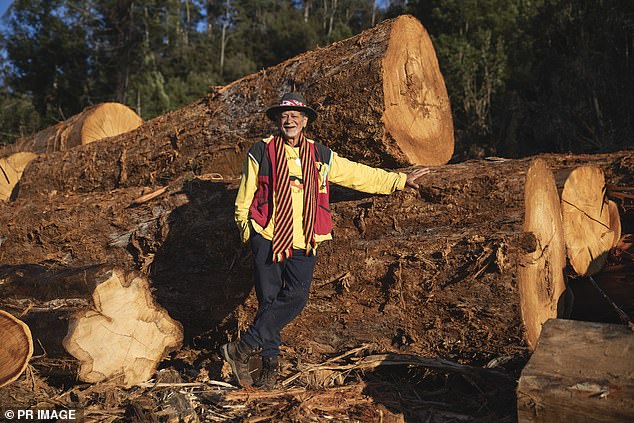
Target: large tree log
{"x": 16, "y": 348}
{"x": 428, "y": 273}
{"x": 580, "y": 372}
{"x": 542, "y": 282}
{"x": 92, "y": 124}
{"x": 380, "y": 96}
{"x": 94, "y": 324}
{"x": 586, "y": 220}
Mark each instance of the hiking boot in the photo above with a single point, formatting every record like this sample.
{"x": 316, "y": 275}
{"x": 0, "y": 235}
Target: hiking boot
{"x": 237, "y": 354}
{"x": 268, "y": 374}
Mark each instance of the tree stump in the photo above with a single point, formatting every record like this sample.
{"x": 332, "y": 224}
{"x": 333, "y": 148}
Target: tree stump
{"x": 579, "y": 372}
{"x": 16, "y": 348}
{"x": 541, "y": 277}
{"x": 96, "y": 324}
{"x": 586, "y": 220}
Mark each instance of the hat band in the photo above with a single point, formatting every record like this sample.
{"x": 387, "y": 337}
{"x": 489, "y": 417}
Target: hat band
{"x": 292, "y": 103}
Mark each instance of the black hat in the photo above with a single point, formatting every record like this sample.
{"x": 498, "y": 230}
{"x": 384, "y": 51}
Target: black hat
{"x": 292, "y": 101}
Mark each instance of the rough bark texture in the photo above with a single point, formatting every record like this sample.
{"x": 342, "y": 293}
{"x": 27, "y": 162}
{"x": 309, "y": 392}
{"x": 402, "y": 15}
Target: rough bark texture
{"x": 433, "y": 272}
{"x": 380, "y": 97}
{"x": 16, "y": 348}
{"x": 96, "y": 323}
{"x": 542, "y": 280}
{"x": 580, "y": 372}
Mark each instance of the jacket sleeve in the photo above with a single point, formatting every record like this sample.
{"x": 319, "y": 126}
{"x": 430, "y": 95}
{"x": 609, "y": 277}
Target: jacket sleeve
{"x": 246, "y": 191}
{"x": 364, "y": 178}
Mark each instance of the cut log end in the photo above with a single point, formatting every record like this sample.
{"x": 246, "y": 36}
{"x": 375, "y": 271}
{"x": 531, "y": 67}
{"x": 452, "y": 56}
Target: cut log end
{"x": 615, "y": 222}
{"x": 94, "y": 123}
{"x": 139, "y": 332}
{"x": 541, "y": 279}
{"x": 108, "y": 120}
{"x": 417, "y": 110}
{"x": 16, "y": 348}
{"x": 11, "y": 169}
{"x": 586, "y": 220}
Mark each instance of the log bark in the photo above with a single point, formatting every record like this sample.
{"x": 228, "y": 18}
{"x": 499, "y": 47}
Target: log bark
{"x": 579, "y": 372}
{"x": 94, "y": 123}
{"x": 11, "y": 169}
{"x": 542, "y": 281}
{"x": 96, "y": 324}
{"x": 428, "y": 272}
{"x": 16, "y": 348}
{"x": 380, "y": 97}
{"x": 586, "y": 221}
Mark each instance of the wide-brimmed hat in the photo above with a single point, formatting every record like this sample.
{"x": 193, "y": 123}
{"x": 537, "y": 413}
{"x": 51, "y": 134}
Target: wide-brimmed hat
{"x": 292, "y": 101}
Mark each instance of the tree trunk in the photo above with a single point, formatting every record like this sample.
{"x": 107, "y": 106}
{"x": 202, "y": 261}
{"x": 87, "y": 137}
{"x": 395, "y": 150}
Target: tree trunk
{"x": 380, "y": 96}
{"x": 16, "y": 349}
{"x": 96, "y": 324}
{"x": 580, "y": 372}
{"x": 542, "y": 282}
{"x": 586, "y": 221}
{"x": 94, "y": 123}
{"x": 429, "y": 272}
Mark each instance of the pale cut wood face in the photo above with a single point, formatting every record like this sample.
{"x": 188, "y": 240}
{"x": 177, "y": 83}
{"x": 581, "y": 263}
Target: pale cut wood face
{"x": 541, "y": 278}
{"x": 586, "y": 219}
{"x": 94, "y": 123}
{"x": 138, "y": 332}
{"x": 417, "y": 109}
{"x": 16, "y": 348}
{"x": 11, "y": 169}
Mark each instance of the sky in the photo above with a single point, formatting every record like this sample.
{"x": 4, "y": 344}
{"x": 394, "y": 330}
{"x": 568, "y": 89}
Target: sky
{"x": 4, "y": 4}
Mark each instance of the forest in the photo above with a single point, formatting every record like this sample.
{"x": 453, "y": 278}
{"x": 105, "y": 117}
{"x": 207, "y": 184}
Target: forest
{"x": 523, "y": 76}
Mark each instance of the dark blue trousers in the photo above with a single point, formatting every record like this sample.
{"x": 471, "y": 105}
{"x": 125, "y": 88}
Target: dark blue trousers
{"x": 282, "y": 290}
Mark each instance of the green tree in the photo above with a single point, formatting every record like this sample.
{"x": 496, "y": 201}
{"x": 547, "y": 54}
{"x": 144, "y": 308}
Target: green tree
{"x": 48, "y": 56}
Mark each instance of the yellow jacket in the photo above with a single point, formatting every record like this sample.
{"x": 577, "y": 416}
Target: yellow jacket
{"x": 340, "y": 171}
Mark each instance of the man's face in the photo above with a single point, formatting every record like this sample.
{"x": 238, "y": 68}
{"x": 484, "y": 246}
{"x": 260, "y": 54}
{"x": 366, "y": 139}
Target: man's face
{"x": 292, "y": 122}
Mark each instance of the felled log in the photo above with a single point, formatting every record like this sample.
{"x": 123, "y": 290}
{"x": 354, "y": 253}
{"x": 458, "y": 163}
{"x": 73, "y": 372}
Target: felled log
{"x": 542, "y": 281}
{"x": 11, "y": 168}
{"x": 94, "y": 123}
{"x": 586, "y": 220}
{"x": 380, "y": 96}
{"x": 94, "y": 324}
{"x": 432, "y": 272}
{"x": 579, "y": 372}
{"x": 16, "y": 348}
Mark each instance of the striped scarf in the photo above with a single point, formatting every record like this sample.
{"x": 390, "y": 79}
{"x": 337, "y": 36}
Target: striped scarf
{"x": 283, "y": 229}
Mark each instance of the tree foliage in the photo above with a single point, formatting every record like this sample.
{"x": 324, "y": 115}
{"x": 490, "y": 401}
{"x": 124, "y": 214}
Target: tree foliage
{"x": 523, "y": 75}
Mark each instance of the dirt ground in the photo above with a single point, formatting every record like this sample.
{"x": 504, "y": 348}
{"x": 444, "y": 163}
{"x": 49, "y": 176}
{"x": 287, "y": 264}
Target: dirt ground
{"x": 413, "y": 314}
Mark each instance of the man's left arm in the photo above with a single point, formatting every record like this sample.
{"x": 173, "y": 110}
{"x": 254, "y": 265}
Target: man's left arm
{"x": 368, "y": 179}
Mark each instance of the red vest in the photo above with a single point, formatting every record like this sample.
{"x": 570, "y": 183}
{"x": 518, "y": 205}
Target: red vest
{"x": 261, "y": 210}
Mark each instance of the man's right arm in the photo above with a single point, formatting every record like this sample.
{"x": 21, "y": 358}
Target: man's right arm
{"x": 246, "y": 191}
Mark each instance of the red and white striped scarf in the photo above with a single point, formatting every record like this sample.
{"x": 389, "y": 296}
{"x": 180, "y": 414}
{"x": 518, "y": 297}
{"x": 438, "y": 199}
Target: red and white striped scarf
{"x": 283, "y": 229}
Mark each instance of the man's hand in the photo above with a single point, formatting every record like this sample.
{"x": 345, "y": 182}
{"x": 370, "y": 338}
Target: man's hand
{"x": 412, "y": 177}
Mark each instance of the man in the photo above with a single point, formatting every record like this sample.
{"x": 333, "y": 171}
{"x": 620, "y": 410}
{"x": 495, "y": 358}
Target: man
{"x": 282, "y": 210}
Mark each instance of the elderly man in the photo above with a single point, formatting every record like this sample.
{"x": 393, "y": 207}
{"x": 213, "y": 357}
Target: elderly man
{"x": 282, "y": 210}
